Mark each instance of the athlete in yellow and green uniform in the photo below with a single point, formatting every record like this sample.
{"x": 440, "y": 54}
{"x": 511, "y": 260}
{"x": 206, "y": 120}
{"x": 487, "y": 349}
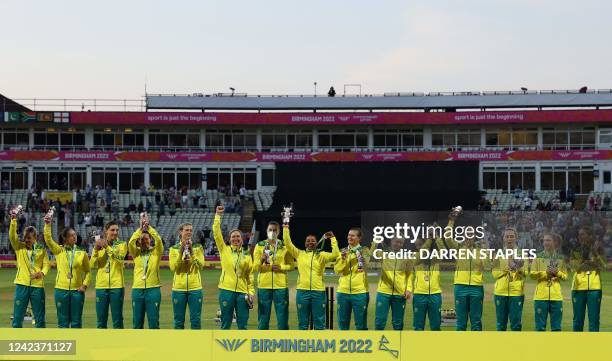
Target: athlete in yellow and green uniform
{"x": 32, "y": 267}
{"x": 146, "y": 294}
{"x": 186, "y": 261}
{"x": 424, "y": 283}
{"x": 509, "y": 290}
{"x": 353, "y": 296}
{"x": 310, "y": 296}
{"x": 468, "y": 279}
{"x": 272, "y": 262}
{"x": 393, "y": 287}
{"x": 548, "y": 270}
{"x": 587, "y": 262}
{"x": 72, "y": 278}
{"x": 236, "y": 284}
{"x": 108, "y": 255}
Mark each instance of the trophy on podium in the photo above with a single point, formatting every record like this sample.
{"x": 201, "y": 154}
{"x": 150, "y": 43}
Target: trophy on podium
{"x": 287, "y": 213}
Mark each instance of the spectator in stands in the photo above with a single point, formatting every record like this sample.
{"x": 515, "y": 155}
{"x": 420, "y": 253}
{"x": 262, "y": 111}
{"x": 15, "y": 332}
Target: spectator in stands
{"x": 184, "y": 200}
{"x": 143, "y": 190}
{"x": 6, "y": 186}
{"x": 151, "y": 190}
{"x": 221, "y": 189}
{"x": 518, "y": 191}
{"x": 127, "y": 219}
{"x": 234, "y": 190}
{"x": 202, "y": 202}
{"x": 331, "y": 92}
{"x": 2, "y": 213}
{"x": 177, "y": 200}
{"x": 172, "y": 209}
{"x": 243, "y": 192}
{"x": 115, "y": 208}
{"x": 527, "y": 203}
{"x": 87, "y": 220}
{"x": 109, "y": 193}
{"x": 606, "y": 203}
{"x": 157, "y": 198}
{"x": 148, "y": 206}
{"x": 132, "y": 207}
{"x": 140, "y": 207}
{"x": 196, "y": 197}
{"x": 161, "y": 210}
{"x": 597, "y": 202}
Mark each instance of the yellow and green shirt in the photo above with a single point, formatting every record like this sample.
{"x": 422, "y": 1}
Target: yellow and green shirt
{"x": 425, "y": 278}
{"x": 236, "y": 264}
{"x": 146, "y": 263}
{"x": 394, "y": 275}
{"x": 311, "y": 263}
{"x": 547, "y": 288}
{"x": 69, "y": 261}
{"x": 109, "y": 262}
{"x": 587, "y": 272}
{"x": 29, "y": 261}
{"x": 352, "y": 280}
{"x": 267, "y": 278}
{"x": 187, "y": 275}
{"x": 507, "y": 282}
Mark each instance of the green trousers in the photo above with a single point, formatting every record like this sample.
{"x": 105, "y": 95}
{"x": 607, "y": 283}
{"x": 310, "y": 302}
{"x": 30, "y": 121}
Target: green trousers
{"x": 356, "y": 304}
{"x": 180, "y": 300}
{"x": 69, "y": 306}
{"x": 423, "y": 306}
{"x": 583, "y": 300}
{"x": 468, "y": 304}
{"x": 311, "y": 305}
{"x": 543, "y": 309}
{"x": 233, "y": 302}
{"x": 509, "y": 307}
{"x": 146, "y": 301}
{"x": 23, "y": 296}
{"x": 280, "y": 298}
{"x": 112, "y": 297}
{"x": 397, "y": 304}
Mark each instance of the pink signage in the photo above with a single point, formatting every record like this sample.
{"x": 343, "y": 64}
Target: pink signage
{"x": 489, "y": 117}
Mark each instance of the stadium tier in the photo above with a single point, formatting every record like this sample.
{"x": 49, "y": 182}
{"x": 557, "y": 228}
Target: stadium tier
{"x": 546, "y": 144}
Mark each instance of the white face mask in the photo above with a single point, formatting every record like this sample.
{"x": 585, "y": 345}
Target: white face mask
{"x": 271, "y": 235}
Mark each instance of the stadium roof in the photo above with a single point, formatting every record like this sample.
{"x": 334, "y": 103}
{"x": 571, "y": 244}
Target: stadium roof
{"x": 441, "y": 101}
{"x": 8, "y": 105}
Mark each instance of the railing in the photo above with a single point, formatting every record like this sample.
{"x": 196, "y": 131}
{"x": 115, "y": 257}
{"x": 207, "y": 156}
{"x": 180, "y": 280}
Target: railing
{"x": 51, "y": 104}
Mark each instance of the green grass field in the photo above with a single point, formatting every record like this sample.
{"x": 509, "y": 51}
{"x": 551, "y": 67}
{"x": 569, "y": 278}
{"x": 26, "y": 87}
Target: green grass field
{"x": 211, "y": 303}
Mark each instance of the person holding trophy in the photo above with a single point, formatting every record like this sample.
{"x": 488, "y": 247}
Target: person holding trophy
{"x": 108, "y": 255}
{"x": 509, "y": 290}
{"x": 353, "y": 296}
{"x": 311, "y": 262}
{"x": 272, "y": 262}
{"x": 32, "y": 267}
{"x": 72, "y": 278}
{"x": 146, "y": 293}
{"x": 186, "y": 261}
{"x": 587, "y": 262}
{"x": 393, "y": 287}
{"x": 468, "y": 278}
{"x": 236, "y": 284}
{"x": 548, "y": 270}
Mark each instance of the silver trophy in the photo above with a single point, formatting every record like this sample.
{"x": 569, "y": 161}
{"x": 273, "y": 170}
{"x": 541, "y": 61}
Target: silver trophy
{"x": 50, "y": 212}
{"x": 267, "y": 253}
{"x": 17, "y": 211}
{"x": 552, "y": 268}
{"x": 456, "y": 211}
{"x": 144, "y": 221}
{"x": 360, "y": 262}
{"x": 186, "y": 252}
{"x": 287, "y": 213}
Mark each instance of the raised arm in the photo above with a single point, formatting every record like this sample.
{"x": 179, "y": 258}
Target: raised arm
{"x": 132, "y": 248}
{"x": 13, "y": 235}
{"x": 335, "y": 250}
{"x": 291, "y": 249}
{"x": 217, "y": 233}
{"x": 51, "y": 244}
{"x": 158, "y": 248}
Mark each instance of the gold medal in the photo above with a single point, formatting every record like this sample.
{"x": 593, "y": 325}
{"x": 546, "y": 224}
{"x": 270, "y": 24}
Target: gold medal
{"x": 144, "y": 277}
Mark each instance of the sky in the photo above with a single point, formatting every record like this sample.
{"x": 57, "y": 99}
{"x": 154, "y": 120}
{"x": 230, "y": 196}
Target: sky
{"x": 110, "y": 49}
